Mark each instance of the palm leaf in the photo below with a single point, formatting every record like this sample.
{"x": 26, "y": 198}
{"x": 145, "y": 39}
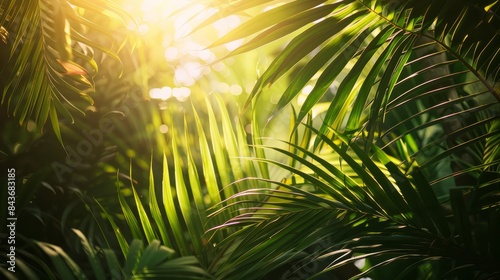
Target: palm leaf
{"x": 399, "y": 219}
{"x": 47, "y": 72}
{"x": 185, "y": 201}
{"x": 417, "y": 88}
{"x": 415, "y": 66}
{"x": 154, "y": 261}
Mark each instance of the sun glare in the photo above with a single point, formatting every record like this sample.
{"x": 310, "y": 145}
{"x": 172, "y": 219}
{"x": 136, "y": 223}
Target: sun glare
{"x": 164, "y": 27}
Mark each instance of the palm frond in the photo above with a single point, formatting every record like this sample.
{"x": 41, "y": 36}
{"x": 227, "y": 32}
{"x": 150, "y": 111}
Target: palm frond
{"x": 153, "y": 261}
{"x": 179, "y": 207}
{"x": 397, "y": 70}
{"x": 395, "y": 216}
{"x": 50, "y": 66}
{"x": 416, "y": 85}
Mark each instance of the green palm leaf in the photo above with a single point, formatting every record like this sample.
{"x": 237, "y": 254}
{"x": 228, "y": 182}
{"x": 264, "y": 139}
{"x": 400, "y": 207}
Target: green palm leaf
{"x": 396, "y": 217}
{"x": 48, "y": 73}
{"x": 155, "y": 261}
{"x": 415, "y": 107}
{"x": 413, "y": 67}
{"x": 180, "y": 215}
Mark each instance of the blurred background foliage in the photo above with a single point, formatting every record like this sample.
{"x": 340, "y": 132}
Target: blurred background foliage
{"x": 252, "y": 139}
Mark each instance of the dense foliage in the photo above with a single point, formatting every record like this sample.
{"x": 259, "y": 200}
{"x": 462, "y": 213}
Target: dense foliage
{"x": 368, "y": 145}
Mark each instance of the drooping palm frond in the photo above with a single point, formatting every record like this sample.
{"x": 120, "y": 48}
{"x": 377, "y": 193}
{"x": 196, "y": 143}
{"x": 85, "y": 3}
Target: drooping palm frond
{"x": 50, "y": 66}
{"x": 425, "y": 70}
{"x": 325, "y": 219}
{"x": 455, "y": 28}
{"x": 415, "y": 86}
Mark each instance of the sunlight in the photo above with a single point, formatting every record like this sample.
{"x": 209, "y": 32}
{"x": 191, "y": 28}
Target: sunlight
{"x": 250, "y": 139}
{"x": 155, "y": 10}
{"x": 186, "y": 74}
{"x": 163, "y": 93}
{"x": 171, "y": 53}
{"x": 181, "y": 54}
{"x": 181, "y": 93}
{"x": 143, "y": 29}
{"x": 223, "y": 26}
{"x": 305, "y": 92}
{"x": 164, "y": 25}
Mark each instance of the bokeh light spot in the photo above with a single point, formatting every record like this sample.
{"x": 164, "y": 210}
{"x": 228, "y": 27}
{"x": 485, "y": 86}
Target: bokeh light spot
{"x": 223, "y": 88}
{"x": 163, "y": 128}
{"x": 226, "y": 24}
{"x": 143, "y": 29}
{"x": 219, "y": 66}
{"x": 163, "y": 93}
{"x": 236, "y": 89}
{"x": 181, "y": 93}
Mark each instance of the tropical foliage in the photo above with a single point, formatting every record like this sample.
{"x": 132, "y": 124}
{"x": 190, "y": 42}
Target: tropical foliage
{"x": 389, "y": 167}
{"x": 48, "y": 71}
